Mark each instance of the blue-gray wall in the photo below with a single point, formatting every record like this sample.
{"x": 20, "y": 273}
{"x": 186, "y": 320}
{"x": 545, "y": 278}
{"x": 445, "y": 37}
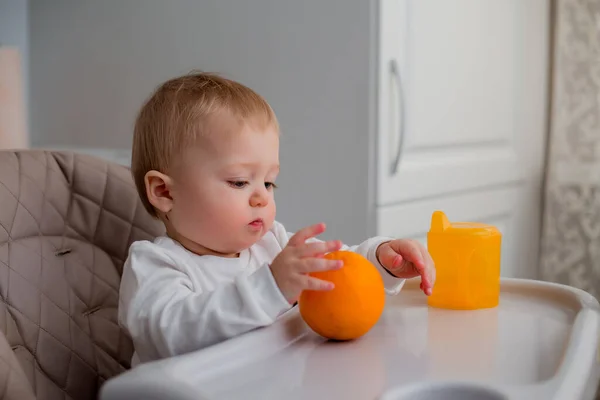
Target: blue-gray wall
{"x": 94, "y": 62}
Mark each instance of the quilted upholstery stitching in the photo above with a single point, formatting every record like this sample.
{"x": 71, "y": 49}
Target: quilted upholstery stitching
{"x": 69, "y": 178}
{"x": 133, "y": 225}
{"x": 16, "y": 210}
{"x": 12, "y": 307}
{"x": 69, "y": 370}
{"x": 93, "y": 166}
{"x": 40, "y": 309}
{"x": 6, "y": 383}
{"x": 3, "y": 227}
{"x": 37, "y": 340}
{"x": 44, "y": 166}
{"x": 41, "y": 370}
{"x": 74, "y": 192}
{"x": 41, "y": 292}
{"x": 45, "y": 188}
{"x": 135, "y": 211}
{"x": 44, "y": 193}
{"x": 35, "y": 384}
{"x": 66, "y": 167}
{"x": 8, "y": 294}
{"x": 15, "y": 213}
{"x": 52, "y": 162}
{"x": 21, "y": 174}
{"x": 18, "y": 204}
{"x": 91, "y": 271}
{"x": 39, "y": 232}
{"x": 71, "y": 320}
{"x": 79, "y": 261}
{"x": 99, "y": 216}
{"x": 18, "y": 197}
{"x": 14, "y": 379}
{"x": 102, "y": 207}
{"x": 47, "y": 297}
{"x": 88, "y": 319}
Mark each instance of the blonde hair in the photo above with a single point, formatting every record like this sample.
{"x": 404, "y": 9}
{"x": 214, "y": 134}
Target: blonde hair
{"x": 175, "y": 116}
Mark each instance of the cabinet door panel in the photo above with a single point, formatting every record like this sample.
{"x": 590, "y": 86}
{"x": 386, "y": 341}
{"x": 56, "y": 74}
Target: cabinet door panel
{"x": 462, "y": 95}
{"x": 449, "y": 74}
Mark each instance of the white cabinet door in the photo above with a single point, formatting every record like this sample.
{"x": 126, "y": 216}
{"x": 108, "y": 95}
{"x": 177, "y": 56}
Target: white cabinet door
{"x": 461, "y": 103}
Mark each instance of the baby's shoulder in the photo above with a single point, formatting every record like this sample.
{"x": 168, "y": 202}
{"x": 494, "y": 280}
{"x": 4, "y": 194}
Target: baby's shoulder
{"x": 162, "y": 249}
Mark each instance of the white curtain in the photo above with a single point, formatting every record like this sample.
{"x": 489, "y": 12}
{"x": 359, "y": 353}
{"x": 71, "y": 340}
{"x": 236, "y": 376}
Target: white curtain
{"x": 570, "y": 251}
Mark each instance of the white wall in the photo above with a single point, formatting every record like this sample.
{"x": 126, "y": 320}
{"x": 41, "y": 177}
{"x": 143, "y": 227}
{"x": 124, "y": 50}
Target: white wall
{"x": 14, "y": 31}
{"x": 93, "y": 63}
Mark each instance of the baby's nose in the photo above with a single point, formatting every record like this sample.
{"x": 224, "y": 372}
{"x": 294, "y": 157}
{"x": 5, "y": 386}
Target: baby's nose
{"x": 259, "y": 200}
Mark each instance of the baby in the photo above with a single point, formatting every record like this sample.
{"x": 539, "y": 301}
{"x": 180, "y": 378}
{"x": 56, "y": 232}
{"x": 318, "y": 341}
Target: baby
{"x": 205, "y": 160}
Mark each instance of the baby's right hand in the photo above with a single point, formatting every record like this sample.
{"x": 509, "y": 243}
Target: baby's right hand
{"x": 291, "y": 267}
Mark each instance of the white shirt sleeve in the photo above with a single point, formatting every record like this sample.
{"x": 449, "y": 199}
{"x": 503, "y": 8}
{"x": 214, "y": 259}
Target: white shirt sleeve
{"x": 368, "y": 249}
{"x": 166, "y": 315}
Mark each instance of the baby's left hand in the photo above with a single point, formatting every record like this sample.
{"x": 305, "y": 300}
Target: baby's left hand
{"x": 406, "y": 258}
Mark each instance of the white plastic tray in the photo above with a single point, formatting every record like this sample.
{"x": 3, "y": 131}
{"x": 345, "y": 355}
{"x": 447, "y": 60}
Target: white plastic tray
{"x": 541, "y": 342}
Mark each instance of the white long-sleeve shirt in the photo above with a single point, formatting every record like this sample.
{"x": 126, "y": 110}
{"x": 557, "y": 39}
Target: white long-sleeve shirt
{"x": 173, "y": 301}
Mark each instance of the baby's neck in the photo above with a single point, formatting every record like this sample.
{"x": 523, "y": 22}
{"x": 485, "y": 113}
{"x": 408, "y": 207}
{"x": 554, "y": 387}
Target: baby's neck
{"x": 197, "y": 248}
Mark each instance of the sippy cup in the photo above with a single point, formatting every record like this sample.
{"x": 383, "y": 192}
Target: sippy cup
{"x": 467, "y": 262}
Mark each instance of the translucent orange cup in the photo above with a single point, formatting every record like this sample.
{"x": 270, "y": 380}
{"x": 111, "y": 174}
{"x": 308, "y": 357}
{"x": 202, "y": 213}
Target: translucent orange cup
{"x": 467, "y": 262}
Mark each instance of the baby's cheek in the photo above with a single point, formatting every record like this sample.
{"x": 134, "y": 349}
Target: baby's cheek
{"x": 271, "y": 212}
{"x": 230, "y": 213}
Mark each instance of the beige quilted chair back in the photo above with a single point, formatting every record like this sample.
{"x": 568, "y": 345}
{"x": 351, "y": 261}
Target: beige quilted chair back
{"x": 66, "y": 223}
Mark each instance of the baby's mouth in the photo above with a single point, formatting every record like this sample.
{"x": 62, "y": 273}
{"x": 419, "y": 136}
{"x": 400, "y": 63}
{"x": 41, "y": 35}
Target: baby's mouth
{"x": 256, "y": 223}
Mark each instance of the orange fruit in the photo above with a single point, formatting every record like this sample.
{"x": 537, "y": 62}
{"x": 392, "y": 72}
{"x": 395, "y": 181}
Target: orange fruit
{"x": 353, "y": 307}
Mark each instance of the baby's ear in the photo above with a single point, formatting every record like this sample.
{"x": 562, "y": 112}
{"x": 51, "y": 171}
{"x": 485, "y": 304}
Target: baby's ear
{"x": 158, "y": 190}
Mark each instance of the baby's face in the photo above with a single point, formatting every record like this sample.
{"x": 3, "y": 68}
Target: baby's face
{"x": 223, "y": 190}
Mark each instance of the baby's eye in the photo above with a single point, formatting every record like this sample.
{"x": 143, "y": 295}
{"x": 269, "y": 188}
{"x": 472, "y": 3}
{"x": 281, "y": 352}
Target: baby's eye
{"x": 270, "y": 185}
{"x": 238, "y": 184}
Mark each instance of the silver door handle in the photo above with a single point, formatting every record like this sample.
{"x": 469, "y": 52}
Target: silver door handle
{"x": 395, "y": 72}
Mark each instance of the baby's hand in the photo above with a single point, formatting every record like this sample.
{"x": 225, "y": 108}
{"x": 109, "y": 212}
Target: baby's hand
{"x": 291, "y": 267}
{"x": 405, "y": 258}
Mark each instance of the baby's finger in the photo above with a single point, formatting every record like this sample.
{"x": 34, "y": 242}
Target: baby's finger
{"x": 429, "y": 273}
{"x": 427, "y": 278}
{"x": 390, "y": 259}
{"x": 318, "y": 248}
{"x": 306, "y": 233}
{"x": 319, "y": 264}
{"x": 409, "y": 250}
{"x": 310, "y": 283}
